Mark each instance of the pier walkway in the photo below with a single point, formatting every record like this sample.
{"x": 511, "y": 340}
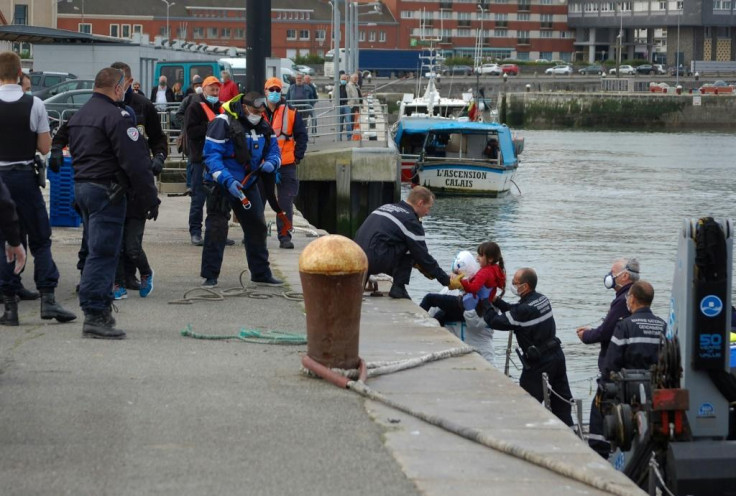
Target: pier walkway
{"x": 159, "y": 413}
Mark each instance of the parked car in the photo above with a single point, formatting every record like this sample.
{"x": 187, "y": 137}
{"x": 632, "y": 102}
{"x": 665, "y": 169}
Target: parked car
{"x": 541, "y": 61}
{"x": 559, "y": 69}
{"x": 650, "y": 69}
{"x": 682, "y": 70}
{"x": 458, "y": 70}
{"x": 659, "y": 88}
{"x": 45, "y": 79}
{"x": 591, "y": 69}
{"x": 492, "y": 69}
{"x": 62, "y": 106}
{"x": 304, "y": 69}
{"x": 510, "y": 69}
{"x": 717, "y": 88}
{"x": 625, "y": 69}
{"x": 72, "y": 84}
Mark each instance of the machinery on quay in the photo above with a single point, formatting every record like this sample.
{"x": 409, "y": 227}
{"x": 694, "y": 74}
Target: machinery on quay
{"x": 674, "y": 426}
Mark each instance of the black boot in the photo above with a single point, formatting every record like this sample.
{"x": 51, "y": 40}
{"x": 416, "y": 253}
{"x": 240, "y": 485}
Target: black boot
{"x": 398, "y": 291}
{"x": 52, "y": 310}
{"x": 99, "y": 325}
{"x": 28, "y": 294}
{"x": 10, "y": 317}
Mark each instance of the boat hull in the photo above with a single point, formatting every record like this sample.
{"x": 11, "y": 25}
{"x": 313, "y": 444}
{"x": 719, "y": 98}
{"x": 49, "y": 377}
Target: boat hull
{"x": 466, "y": 180}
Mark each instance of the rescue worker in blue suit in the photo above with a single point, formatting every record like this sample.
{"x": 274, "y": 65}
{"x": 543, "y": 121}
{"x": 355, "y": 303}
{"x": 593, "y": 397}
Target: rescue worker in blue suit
{"x": 534, "y": 325}
{"x": 240, "y": 146}
{"x": 624, "y": 272}
{"x": 110, "y": 159}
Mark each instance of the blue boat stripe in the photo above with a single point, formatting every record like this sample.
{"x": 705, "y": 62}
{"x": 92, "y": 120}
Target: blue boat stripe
{"x": 401, "y": 226}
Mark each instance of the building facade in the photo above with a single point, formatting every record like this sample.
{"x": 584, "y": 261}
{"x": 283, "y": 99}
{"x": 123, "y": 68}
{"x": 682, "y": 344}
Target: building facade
{"x": 26, "y": 12}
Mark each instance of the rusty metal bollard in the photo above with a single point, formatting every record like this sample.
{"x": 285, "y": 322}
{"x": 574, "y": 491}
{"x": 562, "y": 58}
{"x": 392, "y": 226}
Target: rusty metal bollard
{"x": 332, "y": 270}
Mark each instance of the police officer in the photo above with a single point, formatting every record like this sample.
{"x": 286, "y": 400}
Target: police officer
{"x": 392, "y": 238}
{"x": 24, "y": 128}
{"x": 534, "y": 325}
{"x": 239, "y": 146}
{"x": 109, "y": 158}
{"x": 623, "y": 274}
{"x": 292, "y": 137}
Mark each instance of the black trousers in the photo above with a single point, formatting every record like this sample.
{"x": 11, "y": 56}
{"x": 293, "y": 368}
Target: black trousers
{"x": 132, "y": 256}
{"x": 554, "y": 365}
{"x": 450, "y": 307}
{"x": 596, "y": 441}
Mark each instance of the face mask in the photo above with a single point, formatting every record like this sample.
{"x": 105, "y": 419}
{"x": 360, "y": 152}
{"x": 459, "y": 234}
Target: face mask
{"x": 343, "y": 82}
{"x": 514, "y": 290}
{"x": 609, "y": 281}
{"x": 212, "y": 99}
{"x": 274, "y": 97}
{"x": 162, "y": 85}
{"x": 29, "y": 92}
{"x": 198, "y": 90}
{"x": 254, "y": 118}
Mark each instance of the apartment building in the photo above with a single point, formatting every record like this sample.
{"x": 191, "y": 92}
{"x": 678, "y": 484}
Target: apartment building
{"x": 26, "y": 12}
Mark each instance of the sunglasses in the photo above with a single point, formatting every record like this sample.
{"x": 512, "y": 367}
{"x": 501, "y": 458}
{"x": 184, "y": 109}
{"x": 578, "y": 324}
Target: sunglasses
{"x": 275, "y": 89}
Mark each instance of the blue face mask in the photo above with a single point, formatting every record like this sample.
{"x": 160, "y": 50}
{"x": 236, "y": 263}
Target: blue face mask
{"x": 343, "y": 81}
{"x": 274, "y": 97}
{"x": 212, "y": 99}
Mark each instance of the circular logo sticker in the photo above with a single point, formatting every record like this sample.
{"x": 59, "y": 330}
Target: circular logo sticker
{"x": 133, "y": 133}
{"x": 711, "y": 306}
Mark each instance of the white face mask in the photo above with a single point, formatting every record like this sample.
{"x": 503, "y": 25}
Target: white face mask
{"x": 514, "y": 290}
{"x": 254, "y": 118}
{"x": 198, "y": 90}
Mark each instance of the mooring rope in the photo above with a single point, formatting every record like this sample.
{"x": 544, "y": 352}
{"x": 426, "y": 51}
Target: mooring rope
{"x": 250, "y": 336}
{"x": 253, "y": 291}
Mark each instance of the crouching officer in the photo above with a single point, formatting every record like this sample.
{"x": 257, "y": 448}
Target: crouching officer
{"x": 109, "y": 159}
{"x": 24, "y": 128}
{"x": 239, "y": 146}
{"x": 534, "y": 325}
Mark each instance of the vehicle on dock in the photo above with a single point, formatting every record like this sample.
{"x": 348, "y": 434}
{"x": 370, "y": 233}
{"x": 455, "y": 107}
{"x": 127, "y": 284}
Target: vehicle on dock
{"x": 717, "y": 88}
{"x": 591, "y": 69}
{"x": 460, "y": 157}
{"x": 559, "y": 69}
{"x": 624, "y": 69}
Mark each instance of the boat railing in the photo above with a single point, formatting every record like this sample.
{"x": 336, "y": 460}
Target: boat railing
{"x": 457, "y": 159}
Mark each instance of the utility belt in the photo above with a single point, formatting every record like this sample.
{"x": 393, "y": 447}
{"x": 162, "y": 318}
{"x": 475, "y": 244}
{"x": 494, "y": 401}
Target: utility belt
{"x": 38, "y": 166}
{"x": 536, "y": 352}
{"x": 18, "y": 166}
{"x": 116, "y": 187}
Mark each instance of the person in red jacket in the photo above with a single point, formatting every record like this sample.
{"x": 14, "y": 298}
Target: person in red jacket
{"x": 490, "y": 278}
{"x": 229, "y": 89}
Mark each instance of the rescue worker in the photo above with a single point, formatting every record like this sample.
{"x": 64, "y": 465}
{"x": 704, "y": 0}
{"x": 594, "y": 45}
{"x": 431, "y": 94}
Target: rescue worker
{"x": 201, "y": 110}
{"x": 239, "y": 146}
{"x": 109, "y": 158}
{"x": 534, "y": 325}
{"x": 623, "y": 274}
{"x": 24, "y": 129}
{"x": 392, "y": 238}
{"x": 292, "y": 137}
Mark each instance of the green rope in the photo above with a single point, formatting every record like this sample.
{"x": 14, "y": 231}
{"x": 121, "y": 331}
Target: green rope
{"x": 251, "y": 336}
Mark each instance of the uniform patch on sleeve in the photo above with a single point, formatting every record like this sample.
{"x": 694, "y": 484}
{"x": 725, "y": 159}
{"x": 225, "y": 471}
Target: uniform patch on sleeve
{"x": 133, "y": 133}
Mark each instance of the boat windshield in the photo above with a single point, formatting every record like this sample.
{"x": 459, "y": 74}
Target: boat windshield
{"x": 437, "y": 111}
{"x": 462, "y": 145}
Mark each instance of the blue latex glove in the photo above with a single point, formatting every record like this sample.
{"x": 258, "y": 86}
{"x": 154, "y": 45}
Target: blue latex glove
{"x": 268, "y": 167}
{"x": 469, "y": 301}
{"x": 235, "y": 188}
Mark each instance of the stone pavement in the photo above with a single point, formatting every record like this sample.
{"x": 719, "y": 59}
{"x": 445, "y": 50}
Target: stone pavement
{"x": 158, "y": 413}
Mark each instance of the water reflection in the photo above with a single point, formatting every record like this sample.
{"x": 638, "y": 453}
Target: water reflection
{"x": 586, "y": 199}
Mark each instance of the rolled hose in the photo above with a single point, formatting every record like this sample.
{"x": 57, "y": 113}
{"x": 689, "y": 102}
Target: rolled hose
{"x": 475, "y": 435}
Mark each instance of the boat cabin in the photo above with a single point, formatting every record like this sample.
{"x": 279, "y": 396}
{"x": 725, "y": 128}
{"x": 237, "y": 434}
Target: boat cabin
{"x": 463, "y": 145}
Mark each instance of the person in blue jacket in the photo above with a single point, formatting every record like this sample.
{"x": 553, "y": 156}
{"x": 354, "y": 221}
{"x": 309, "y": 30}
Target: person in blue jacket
{"x": 239, "y": 146}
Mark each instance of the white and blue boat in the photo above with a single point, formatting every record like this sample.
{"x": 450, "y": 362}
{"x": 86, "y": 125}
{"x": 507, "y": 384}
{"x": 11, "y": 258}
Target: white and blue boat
{"x": 459, "y": 157}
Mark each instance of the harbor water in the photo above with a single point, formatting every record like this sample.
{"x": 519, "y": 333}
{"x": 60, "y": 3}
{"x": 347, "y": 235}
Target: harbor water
{"x": 586, "y": 199}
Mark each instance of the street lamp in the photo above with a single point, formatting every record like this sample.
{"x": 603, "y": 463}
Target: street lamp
{"x": 481, "y": 34}
{"x": 168, "y": 6}
{"x": 620, "y": 39}
{"x": 677, "y": 55}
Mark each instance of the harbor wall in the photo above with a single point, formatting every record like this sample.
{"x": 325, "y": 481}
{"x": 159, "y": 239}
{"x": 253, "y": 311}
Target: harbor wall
{"x": 621, "y": 110}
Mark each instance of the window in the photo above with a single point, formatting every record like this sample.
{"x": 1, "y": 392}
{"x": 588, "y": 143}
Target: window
{"x": 20, "y": 15}
{"x": 320, "y": 34}
{"x": 125, "y": 30}
{"x": 464, "y": 33}
{"x": 303, "y": 34}
{"x": 198, "y": 32}
{"x": 115, "y": 30}
{"x": 407, "y": 14}
{"x": 240, "y": 33}
{"x": 138, "y": 28}
{"x": 226, "y": 32}
{"x": 522, "y": 37}
{"x": 372, "y": 36}
{"x": 382, "y": 36}
{"x": 500, "y": 33}
{"x": 84, "y": 27}
{"x": 361, "y": 36}
{"x": 523, "y": 17}
{"x": 291, "y": 34}
{"x": 181, "y": 32}
{"x": 545, "y": 34}
{"x": 211, "y": 33}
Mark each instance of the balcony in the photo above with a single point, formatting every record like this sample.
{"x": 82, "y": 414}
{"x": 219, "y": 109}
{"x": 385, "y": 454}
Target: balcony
{"x": 501, "y": 24}
{"x": 523, "y": 41}
{"x": 446, "y": 41}
{"x": 463, "y": 23}
{"x": 446, "y": 5}
{"x": 525, "y": 6}
{"x": 545, "y": 25}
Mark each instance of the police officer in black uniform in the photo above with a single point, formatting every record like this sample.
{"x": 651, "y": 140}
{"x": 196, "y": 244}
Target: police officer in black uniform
{"x": 24, "y": 129}
{"x": 109, "y": 159}
{"x": 534, "y": 325}
{"x": 392, "y": 238}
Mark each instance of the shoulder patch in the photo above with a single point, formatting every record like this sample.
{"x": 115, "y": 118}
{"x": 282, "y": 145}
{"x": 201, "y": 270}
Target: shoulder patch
{"x": 133, "y": 133}
{"x": 124, "y": 113}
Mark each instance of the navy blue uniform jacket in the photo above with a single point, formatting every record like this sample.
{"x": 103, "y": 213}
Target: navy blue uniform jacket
{"x": 602, "y": 334}
{"x": 635, "y": 342}
{"x": 531, "y": 319}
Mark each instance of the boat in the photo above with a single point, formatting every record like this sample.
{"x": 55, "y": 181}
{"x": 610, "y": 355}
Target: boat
{"x": 459, "y": 156}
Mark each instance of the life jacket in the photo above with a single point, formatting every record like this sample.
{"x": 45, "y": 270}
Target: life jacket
{"x": 283, "y": 128}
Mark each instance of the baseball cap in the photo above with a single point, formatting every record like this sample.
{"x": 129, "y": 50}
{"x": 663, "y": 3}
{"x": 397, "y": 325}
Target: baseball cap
{"x": 211, "y": 80}
{"x": 254, "y": 99}
{"x": 271, "y": 82}
{"x": 197, "y": 79}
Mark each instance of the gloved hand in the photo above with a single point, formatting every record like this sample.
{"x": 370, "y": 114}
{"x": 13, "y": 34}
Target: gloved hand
{"x": 157, "y": 164}
{"x": 152, "y": 213}
{"x": 455, "y": 282}
{"x": 235, "y": 188}
{"x": 56, "y": 159}
{"x": 470, "y": 301}
{"x": 268, "y": 167}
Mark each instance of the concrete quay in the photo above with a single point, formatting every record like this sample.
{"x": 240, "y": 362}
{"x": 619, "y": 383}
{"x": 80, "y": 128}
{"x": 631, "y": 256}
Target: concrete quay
{"x": 158, "y": 413}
